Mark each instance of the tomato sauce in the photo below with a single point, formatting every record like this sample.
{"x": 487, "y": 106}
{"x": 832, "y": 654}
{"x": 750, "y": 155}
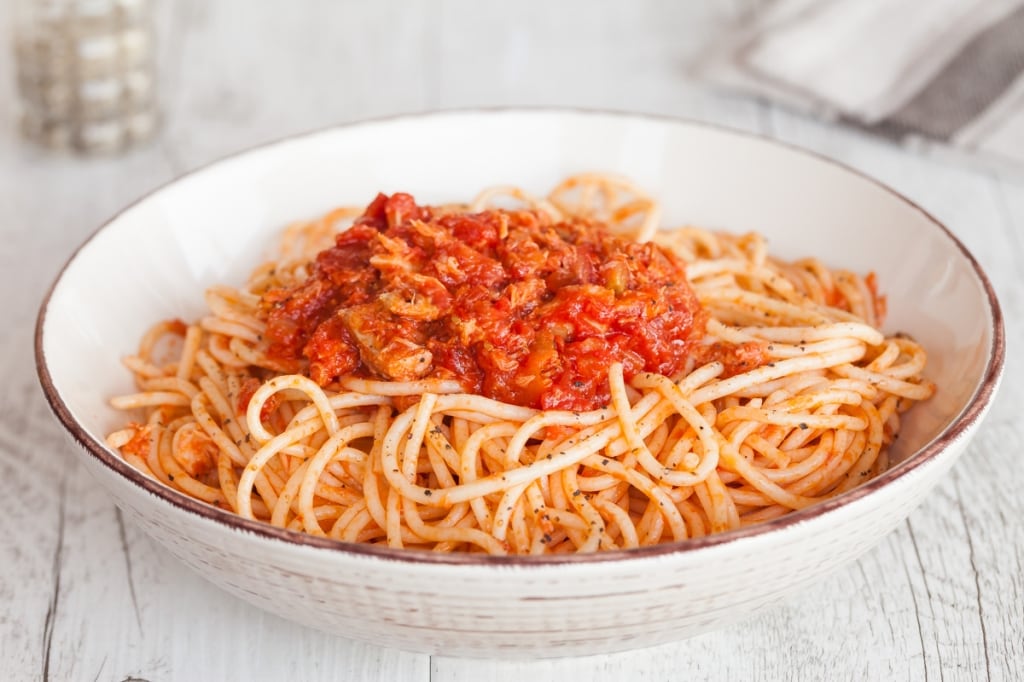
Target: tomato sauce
{"x": 511, "y": 304}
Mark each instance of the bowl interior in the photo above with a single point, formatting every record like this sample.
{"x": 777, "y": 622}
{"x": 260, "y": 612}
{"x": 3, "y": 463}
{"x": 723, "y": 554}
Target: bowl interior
{"x": 154, "y": 260}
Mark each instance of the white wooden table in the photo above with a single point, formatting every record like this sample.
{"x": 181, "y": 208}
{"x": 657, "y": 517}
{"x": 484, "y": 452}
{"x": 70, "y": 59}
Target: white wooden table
{"x": 86, "y": 596}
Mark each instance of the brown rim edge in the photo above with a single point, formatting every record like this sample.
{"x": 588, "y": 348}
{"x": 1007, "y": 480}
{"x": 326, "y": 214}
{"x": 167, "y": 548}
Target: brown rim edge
{"x": 971, "y": 415}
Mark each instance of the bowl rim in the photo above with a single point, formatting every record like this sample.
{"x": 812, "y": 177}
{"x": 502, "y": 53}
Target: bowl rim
{"x": 966, "y": 420}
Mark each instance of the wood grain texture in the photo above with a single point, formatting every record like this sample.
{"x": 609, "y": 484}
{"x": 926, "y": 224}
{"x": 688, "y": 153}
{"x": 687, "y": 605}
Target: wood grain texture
{"x": 88, "y": 596}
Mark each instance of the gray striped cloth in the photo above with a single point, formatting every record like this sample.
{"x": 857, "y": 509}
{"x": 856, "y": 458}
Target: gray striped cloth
{"x": 933, "y": 74}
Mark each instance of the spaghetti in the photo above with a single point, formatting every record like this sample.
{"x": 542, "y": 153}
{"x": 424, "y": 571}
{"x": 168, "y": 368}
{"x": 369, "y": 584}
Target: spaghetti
{"x": 366, "y": 404}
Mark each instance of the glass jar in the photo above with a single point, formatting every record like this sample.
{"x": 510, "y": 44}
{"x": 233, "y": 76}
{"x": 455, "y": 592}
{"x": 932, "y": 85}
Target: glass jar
{"x": 86, "y": 73}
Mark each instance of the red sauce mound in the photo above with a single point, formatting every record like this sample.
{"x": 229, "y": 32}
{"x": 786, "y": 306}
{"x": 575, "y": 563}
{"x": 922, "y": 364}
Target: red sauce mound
{"x": 513, "y": 306}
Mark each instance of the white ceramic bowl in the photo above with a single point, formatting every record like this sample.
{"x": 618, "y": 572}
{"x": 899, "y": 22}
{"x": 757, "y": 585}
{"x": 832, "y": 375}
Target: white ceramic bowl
{"x": 154, "y": 260}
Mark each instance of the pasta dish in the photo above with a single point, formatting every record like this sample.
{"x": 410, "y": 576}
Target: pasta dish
{"x": 521, "y": 375}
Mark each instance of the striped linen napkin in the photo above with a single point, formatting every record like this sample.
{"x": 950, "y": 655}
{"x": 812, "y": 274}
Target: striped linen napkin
{"x": 933, "y": 74}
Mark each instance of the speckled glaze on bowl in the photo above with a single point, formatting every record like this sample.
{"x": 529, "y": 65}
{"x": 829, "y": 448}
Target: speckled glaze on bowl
{"x": 154, "y": 260}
